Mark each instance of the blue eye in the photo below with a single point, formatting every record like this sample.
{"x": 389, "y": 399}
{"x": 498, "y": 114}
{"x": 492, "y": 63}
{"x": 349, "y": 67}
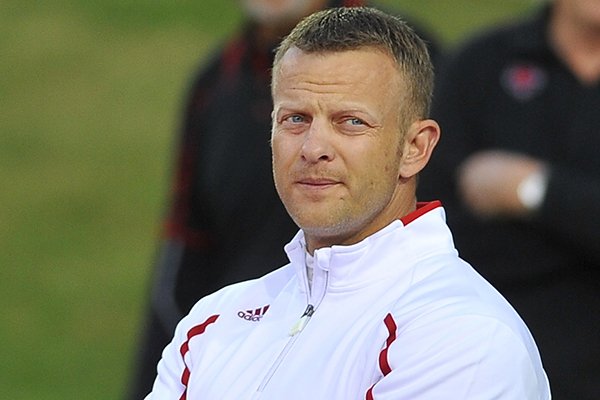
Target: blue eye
{"x": 296, "y": 119}
{"x": 354, "y": 121}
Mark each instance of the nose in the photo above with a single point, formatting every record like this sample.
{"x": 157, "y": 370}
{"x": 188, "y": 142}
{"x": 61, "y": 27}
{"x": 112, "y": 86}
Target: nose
{"x": 317, "y": 144}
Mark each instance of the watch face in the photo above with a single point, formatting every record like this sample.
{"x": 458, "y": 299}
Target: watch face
{"x": 532, "y": 190}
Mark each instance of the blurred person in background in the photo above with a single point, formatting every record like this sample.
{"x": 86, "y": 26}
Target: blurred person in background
{"x": 519, "y": 167}
{"x": 225, "y": 222}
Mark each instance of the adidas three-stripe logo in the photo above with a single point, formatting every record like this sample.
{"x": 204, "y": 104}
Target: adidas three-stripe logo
{"x": 253, "y": 315}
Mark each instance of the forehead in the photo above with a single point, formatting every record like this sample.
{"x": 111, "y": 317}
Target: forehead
{"x": 360, "y": 69}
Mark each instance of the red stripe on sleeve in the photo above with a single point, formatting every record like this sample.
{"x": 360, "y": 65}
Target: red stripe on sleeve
{"x": 384, "y": 364}
{"x": 185, "y": 347}
{"x": 383, "y": 359}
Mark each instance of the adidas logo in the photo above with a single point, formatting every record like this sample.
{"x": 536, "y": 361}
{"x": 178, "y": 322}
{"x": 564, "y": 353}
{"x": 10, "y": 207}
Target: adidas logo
{"x": 253, "y": 315}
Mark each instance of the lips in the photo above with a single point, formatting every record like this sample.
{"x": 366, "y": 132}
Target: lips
{"x": 317, "y": 181}
{"x": 313, "y": 184}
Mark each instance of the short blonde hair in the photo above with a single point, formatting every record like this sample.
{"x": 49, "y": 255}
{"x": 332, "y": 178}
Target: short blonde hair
{"x": 353, "y": 28}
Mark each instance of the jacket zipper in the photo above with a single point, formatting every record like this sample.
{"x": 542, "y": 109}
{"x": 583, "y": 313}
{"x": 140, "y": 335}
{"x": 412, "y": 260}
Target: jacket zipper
{"x": 299, "y": 326}
{"x": 294, "y": 333}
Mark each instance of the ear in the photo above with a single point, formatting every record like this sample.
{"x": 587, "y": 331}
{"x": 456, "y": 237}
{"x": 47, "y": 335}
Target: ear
{"x": 420, "y": 140}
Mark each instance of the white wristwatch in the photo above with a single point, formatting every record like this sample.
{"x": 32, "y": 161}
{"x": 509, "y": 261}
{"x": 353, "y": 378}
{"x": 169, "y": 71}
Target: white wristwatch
{"x": 532, "y": 190}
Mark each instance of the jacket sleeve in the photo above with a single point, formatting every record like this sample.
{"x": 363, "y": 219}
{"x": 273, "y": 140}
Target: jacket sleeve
{"x": 469, "y": 357}
{"x": 168, "y": 384}
{"x": 175, "y": 366}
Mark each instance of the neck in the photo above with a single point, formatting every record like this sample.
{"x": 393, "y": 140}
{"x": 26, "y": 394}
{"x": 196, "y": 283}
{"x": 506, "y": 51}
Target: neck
{"x": 577, "y": 44}
{"x": 402, "y": 203}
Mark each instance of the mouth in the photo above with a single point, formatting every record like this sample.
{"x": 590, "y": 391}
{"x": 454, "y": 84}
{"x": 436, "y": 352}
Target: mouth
{"x": 317, "y": 183}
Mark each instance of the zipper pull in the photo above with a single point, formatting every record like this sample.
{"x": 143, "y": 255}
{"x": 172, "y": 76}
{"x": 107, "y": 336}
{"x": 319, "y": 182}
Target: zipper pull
{"x": 299, "y": 326}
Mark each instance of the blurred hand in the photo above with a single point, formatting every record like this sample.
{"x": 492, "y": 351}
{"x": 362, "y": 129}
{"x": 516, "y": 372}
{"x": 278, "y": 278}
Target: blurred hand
{"x": 488, "y": 182}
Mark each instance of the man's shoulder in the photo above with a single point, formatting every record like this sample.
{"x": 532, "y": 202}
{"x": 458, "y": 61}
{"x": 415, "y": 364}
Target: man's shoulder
{"x": 445, "y": 287}
{"x": 243, "y": 296}
{"x": 454, "y": 305}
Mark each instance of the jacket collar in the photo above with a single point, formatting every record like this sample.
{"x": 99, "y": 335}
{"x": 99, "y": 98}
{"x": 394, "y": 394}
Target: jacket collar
{"x": 388, "y": 252}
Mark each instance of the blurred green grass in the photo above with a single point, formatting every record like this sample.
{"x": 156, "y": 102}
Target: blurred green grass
{"x": 90, "y": 94}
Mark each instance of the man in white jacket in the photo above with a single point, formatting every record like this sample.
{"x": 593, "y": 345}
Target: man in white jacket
{"x": 375, "y": 302}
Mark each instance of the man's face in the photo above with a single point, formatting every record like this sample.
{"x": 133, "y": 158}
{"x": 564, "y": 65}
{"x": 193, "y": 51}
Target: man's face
{"x": 337, "y": 143}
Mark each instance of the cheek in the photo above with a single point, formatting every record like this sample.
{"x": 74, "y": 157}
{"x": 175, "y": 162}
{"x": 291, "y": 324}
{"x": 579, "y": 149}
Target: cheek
{"x": 386, "y": 161}
{"x": 276, "y": 145}
{"x": 280, "y": 157}
{"x": 387, "y": 166}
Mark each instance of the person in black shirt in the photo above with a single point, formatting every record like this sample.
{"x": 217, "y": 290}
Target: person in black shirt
{"x": 225, "y": 222}
{"x": 520, "y": 175}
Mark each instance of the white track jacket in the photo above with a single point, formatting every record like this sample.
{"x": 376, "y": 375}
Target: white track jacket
{"x": 397, "y": 316}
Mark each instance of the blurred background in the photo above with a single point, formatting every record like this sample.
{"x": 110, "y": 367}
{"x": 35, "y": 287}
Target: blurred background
{"x": 90, "y": 98}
